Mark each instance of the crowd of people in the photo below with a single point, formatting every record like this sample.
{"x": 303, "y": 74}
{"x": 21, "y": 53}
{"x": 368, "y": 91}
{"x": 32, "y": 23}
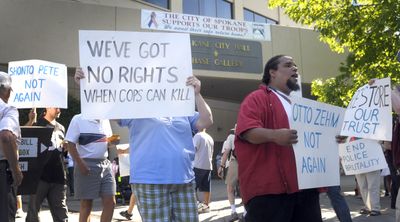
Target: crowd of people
{"x": 171, "y": 161}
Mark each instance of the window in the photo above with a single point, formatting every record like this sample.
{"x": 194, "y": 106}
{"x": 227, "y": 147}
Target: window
{"x": 161, "y": 3}
{"x": 254, "y": 17}
{"x": 212, "y": 8}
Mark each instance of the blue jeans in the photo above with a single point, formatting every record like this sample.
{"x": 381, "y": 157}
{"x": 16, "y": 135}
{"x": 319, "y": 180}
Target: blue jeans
{"x": 339, "y": 204}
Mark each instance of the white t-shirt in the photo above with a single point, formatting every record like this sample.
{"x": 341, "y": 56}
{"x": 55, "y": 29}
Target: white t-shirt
{"x": 284, "y": 100}
{"x": 9, "y": 120}
{"x": 229, "y": 145}
{"x": 90, "y": 136}
{"x": 204, "y": 145}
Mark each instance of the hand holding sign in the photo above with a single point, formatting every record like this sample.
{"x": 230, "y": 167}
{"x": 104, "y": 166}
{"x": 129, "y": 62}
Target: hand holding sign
{"x": 193, "y": 81}
{"x": 285, "y": 137}
{"x": 78, "y": 75}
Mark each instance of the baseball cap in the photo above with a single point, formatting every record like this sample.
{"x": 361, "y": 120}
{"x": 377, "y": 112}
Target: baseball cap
{"x": 5, "y": 80}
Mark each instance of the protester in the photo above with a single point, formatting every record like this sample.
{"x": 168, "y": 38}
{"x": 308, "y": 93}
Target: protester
{"x": 393, "y": 181}
{"x": 204, "y": 145}
{"x": 263, "y": 145}
{"x": 338, "y": 202}
{"x": 369, "y": 184}
{"x": 87, "y": 143}
{"x": 396, "y": 142}
{"x": 231, "y": 180}
{"x": 369, "y": 188}
{"x": 162, "y": 161}
{"x": 52, "y": 182}
{"x": 387, "y": 172}
{"x": 10, "y": 132}
{"x": 132, "y": 200}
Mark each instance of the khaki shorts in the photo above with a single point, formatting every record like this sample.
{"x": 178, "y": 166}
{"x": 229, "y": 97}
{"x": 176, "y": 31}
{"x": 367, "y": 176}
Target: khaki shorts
{"x": 232, "y": 175}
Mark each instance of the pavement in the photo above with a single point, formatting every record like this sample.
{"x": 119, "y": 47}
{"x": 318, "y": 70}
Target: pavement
{"x": 220, "y": 209}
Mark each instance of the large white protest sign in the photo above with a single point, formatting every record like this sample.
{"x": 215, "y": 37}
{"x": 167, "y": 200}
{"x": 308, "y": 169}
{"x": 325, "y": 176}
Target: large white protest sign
{"x": 317, "y": 155}
{"x": 135, "y": 74}
{"x": 204, "y": 25}
{"x": 38, "y": 83}
{"x": 369, "y": 114}
{"x": 361, "y": 156}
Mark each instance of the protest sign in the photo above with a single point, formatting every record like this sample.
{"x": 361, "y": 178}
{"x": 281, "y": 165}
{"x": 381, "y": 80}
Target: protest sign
{"x": 361, "y": 156}
{"x": 369, "y": 114}
{"x": 33, "y": 155}
{"x": 38, "y": 83}
{"x": 135, "y": 75}
{"x": 317, "y": 158}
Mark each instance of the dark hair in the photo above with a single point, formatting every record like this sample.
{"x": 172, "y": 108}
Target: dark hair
{"x": 40, "y": 112}
{"x": 271, "y": 64}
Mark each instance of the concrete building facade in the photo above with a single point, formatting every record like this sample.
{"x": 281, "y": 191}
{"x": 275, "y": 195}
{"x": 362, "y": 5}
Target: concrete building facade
{"x": 48, "y": 30}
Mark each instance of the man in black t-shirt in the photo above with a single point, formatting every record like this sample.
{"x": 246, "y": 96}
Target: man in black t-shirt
{"x": 52, "y": 183}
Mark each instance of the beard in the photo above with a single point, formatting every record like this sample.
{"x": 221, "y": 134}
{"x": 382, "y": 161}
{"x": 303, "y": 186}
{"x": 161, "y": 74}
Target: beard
{"x": 292, "y": 85}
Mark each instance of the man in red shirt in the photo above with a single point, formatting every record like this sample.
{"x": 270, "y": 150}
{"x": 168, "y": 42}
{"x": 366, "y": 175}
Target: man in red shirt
{"x": 267, "y": 169}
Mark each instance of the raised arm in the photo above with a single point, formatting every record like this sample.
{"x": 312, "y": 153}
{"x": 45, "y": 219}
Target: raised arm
{"x": 205, "y": 115}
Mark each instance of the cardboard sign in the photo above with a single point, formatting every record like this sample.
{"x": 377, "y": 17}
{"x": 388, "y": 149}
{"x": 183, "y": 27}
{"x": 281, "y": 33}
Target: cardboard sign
{"x": 33, "y": 156}
{"x": 317, "y": 158}
{"x": 38, "y": 83}
{"x": 369, "y": 114}
{"x": 361, "y": 156}
{"x": 135, "y": 75}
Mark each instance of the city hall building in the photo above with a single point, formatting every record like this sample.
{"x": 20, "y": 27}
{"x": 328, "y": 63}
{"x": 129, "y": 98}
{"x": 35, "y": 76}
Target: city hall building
{"x": 231, "y": 40}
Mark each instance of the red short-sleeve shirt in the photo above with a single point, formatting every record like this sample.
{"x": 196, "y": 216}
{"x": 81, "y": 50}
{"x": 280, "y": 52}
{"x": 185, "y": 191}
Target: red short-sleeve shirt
{"x": 266, "y": 168}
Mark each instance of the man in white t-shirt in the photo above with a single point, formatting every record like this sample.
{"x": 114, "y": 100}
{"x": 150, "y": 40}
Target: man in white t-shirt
{"x": 88, "y": 146}
{"x": 10, "y": 173}
{"x": 231, "y": 180}
{"x": 204, "y": 145}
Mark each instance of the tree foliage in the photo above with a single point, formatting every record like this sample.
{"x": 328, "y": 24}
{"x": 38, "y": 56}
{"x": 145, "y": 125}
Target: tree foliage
{"x": 368, "y": 29}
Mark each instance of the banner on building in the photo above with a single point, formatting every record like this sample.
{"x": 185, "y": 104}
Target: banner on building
{"x": 317, "y": 157}
{"x": 196, "y": 24}
{"x": 135, "y": 74}
{"x": 38, "y": 83}
{"x": 369, "y": 114}
{"x": 361, "y": 156}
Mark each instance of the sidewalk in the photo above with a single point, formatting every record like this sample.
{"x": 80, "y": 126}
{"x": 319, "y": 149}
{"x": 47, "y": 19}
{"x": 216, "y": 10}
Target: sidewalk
{"x": 220, "y": 209}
